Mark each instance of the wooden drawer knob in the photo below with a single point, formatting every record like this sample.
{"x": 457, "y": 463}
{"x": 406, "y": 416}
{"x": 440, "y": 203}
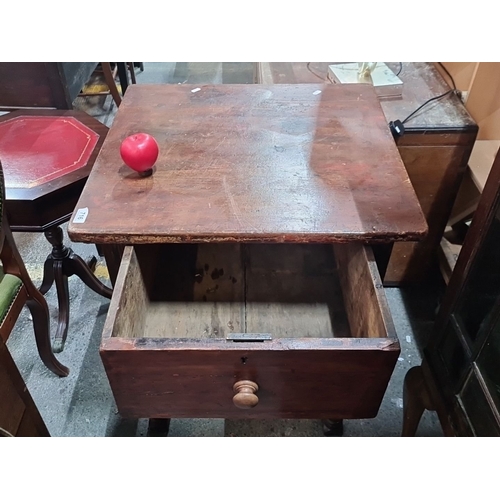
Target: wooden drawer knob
{"x": 245, "y": 396}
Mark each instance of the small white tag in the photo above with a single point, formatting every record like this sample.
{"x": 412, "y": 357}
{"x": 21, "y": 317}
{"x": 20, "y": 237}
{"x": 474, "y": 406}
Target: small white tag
{"x": 81, "y": 216}
{"x": 408, "y": 339}
{"x": 197, "y": 89}
{"x": 316, "y": 92}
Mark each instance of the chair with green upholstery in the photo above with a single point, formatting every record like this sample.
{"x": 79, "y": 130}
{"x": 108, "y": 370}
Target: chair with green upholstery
{"x": 17, "y": 290}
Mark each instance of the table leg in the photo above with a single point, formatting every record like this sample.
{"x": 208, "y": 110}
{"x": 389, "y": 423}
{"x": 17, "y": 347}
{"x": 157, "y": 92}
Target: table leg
{"x": 416, "y": 399}
{"x": 382, "y": 254}
{"x": 333, "y": 427}
{"x": 61, "y": 264}
{"x": 113, "y": 255}
{"x": 158, "y": 427}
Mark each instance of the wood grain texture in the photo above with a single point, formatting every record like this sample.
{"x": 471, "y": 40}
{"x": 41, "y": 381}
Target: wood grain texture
{"x": 365, "y": 302}
{"x": 287, "y": 291}
{"x": 165, "y": 379}
{"x": 243, "y": 163}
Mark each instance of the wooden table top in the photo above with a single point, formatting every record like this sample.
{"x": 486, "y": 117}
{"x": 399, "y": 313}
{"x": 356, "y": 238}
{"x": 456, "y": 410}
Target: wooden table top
{"x": 252, "y": 163}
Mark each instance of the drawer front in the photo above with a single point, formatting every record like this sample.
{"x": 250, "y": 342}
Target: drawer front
{"x": 306, "y": 376}
{"x": 153, "y": 379}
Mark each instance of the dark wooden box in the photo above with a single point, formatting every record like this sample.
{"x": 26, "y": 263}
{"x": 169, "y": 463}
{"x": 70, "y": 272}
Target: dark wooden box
{"x": 165, "y": 343}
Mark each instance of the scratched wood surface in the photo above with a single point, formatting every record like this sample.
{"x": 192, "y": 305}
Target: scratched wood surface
{"x": 243, "y": 163}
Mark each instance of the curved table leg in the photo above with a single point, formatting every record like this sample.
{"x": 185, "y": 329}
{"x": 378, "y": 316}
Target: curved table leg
{"x": 48, "y": 275}
{"x": 63, "y": 302}
{"x": 74, "y": 264}
{"x": 416, "y": 399}
{"x": 61, "y": 264}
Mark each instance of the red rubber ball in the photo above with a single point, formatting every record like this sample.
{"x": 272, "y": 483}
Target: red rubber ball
{"x": 139, "y": 151}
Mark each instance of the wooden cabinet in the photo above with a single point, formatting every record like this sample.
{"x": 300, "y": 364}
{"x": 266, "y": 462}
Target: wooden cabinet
{"x": 42, "y": 84}
{"x": 461, "y": 370}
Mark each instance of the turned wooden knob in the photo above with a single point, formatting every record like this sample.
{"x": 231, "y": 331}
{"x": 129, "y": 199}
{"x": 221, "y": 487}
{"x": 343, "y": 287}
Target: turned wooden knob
{"x": 245, "y": 396}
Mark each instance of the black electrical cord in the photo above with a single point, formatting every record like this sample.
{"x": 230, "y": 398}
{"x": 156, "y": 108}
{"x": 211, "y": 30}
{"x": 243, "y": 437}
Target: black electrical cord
{"x": 314, "y": 73}
{"x": 400, "y": 68}
{"x": 448, "y": 73}
{"x": 452, "y": 91}
{"x": 397, "y": 126}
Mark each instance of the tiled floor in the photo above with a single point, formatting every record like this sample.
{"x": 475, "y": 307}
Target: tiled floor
{"x": 82, "y": 404}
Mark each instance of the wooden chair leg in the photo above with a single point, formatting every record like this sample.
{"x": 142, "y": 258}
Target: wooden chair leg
{"x": 132, "y": 72}
{"x": 110, "y": 82}
{"x": 41, "y": 324}
{"x": 416, "y": 399}
{"x": 13, "y": 264}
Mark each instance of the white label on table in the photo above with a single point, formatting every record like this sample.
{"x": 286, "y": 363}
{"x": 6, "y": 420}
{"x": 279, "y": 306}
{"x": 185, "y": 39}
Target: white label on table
{"x": 81, "y": 215}
{"x": 197, "y": 89}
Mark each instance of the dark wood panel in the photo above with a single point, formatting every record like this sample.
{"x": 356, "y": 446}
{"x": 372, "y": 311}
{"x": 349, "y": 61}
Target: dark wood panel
{"x": 18, "y": 414}
{"x": 435, "y": 173}
{"x": 293, "y": 383}
{"x": 42, "y": 84}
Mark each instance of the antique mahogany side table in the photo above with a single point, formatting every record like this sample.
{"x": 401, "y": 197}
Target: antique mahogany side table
{"x": 245, "y": 288}
{"x": 47, "y": 156}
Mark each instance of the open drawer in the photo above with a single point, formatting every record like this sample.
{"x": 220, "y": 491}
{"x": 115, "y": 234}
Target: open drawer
{"x": 249, "y": 331}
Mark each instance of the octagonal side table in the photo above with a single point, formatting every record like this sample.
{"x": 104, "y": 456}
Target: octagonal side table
{"x": 47, "y": 156}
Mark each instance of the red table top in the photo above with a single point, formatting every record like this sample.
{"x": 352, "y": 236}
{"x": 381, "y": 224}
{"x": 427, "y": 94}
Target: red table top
{"x": 35, "y": 150}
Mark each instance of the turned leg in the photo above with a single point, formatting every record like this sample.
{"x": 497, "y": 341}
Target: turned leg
{"x": 158, "y": 427}
{"x": 333, "y": 427}
{"x": 416, "y": 399}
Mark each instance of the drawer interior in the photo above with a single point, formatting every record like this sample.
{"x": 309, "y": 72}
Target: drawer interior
{"x": 212, "y": 291}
